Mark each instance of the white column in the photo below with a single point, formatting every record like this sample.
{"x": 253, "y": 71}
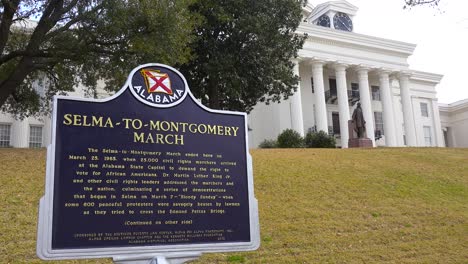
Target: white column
{"x": 397, "y": 114}
{"x": 296, "y": 105}
{"x": 47, "y": 131}
{"x": 320, "y": 104}
{"x": 410, "y": 130}
{"x": 387, "y": 103}
{"x": 19, "y": 133}
{"x": 418, "y": 122}
{"x": 437, "y": 126}
{"x": 343, "y": 105}
{"x": 366, "y": 102}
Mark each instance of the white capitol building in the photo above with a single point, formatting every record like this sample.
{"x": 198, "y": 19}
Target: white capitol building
{"x": 337, "y": 68}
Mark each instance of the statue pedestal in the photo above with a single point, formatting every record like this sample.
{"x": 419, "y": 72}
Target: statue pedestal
{"x": 360, "y": 143}
{"x": 354, "y": 141}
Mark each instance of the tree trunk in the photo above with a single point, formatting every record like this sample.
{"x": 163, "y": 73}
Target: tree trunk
{"x": 5, "y": 24}
{"x": 8, "y": 86}
{"x": 213, "y": 94}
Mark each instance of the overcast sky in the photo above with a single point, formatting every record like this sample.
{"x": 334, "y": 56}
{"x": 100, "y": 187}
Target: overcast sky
{"x": 441, "y": 36}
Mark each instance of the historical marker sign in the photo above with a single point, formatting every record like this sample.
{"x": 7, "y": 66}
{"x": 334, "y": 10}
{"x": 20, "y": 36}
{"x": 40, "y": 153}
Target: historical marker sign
{"x": 147, "y": 171}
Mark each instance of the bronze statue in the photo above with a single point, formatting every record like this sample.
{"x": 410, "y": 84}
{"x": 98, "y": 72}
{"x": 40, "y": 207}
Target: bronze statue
{"x": 359, "y": 124}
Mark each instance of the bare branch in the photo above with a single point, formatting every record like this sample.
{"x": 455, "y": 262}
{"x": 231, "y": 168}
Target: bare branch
{"x": 23, "y": 53}
{"x": 70, "y": 23}
{"x": 44, "y": 25}
{"x": 410, "y": 3}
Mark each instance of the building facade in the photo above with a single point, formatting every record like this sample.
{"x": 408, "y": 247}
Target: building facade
{"x": 27, "y": 133}
{"x": 454, "y": 122}
{"x": 35, "y": 132}
{"x": 339, "y": 68}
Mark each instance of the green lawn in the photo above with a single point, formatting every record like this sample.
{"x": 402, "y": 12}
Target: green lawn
{"x": 386, "y": 205}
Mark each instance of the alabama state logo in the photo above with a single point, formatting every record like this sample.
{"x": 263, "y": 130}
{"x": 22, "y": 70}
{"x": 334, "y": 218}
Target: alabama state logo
{"x": 158, "y": 85}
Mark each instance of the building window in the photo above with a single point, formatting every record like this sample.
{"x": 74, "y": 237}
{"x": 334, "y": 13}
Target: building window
{"x": 324, "y": 21}
{"x": 375, "y": 93}
{"x": 5, "y": 135}
{"x": 446, "y": 137}
{"x": 35, "y": 136}
{"x": 336, "y": 123}
{"x": 354, "y": 93}
{"x": 312, "y": 84}
{"x": 39, "y": 86}
{"x": 332, "y": 84}
{"x": 424, "y": 111}
{"x": 403, "y": 129}
{"x": 378, "y": 122}
{"x": 427, "y": 136}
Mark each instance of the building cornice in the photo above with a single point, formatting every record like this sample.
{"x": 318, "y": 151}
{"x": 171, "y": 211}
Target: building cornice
{"x": 423, "y": 91}
{"x": 308, "y": 8}
{"x": 444, "y": 108}
{"x": 433, "y": 78}
{"x": 351, "y": 59}
{"x": 351, "y": 38}
{"x": 455, "y": 106}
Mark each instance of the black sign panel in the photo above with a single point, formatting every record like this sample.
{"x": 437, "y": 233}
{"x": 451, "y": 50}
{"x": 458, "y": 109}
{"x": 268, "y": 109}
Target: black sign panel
{"x": 148, "y": 167}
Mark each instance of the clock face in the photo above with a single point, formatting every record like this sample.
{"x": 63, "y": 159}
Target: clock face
{"x": 323, "y": 21}
{"x": 343, "y": 22}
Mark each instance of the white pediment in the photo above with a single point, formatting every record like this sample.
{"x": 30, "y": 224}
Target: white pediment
{"x": 335, "y": 6}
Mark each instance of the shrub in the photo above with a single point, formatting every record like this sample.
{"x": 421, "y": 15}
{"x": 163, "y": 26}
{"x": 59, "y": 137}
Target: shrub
{"x": 268, "y": 143}
{"x": 290, "y": 139}
{"x": 319, "y": 140}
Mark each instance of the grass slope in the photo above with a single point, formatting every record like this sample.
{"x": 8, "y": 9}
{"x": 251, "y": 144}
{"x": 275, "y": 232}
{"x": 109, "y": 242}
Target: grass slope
{"x": 385, "y": 205}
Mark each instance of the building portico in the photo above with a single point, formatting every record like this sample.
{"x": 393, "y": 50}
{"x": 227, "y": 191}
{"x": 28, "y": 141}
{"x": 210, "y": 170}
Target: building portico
{"x": 342, "y": 98}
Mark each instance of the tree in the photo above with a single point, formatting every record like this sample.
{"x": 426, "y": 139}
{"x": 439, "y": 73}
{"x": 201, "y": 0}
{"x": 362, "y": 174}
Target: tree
{"x": 243, "y": 52}
{"x": 83, "y": 41}
{"x": 411, "y": 3}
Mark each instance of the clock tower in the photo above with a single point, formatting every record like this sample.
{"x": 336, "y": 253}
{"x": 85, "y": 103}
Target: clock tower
{"x": 334, "y": 14}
